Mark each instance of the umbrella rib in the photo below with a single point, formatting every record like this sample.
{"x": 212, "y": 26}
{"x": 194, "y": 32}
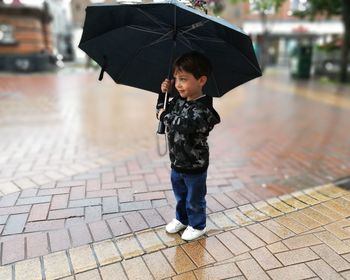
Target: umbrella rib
{"x": 140, "y": 28}
{"x": 153, "y": 19}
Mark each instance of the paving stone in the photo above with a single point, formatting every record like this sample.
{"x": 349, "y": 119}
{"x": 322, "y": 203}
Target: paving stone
{"x": 238, "y": 217}
{"x": 128, "y": 246}
{"x": 9, "y": 200}
{"x": 292, "y": 201}
{"x": 66, "y": 213}
{"x": 28, "y": 270}
{"x": 85, "y": 202}
{"x": 305, "y": 198}
{"x": 133, "y": 206}
{"x": 330, "y": 257}
{"x": 221, "y": 220}
{"x": 323, "y": 270}
{"x": 301, "y": 241}
{"x": 252, "y": 213}
{"x": 92, "y": 274}
{"x": 82, "y": 258}
{"x": 263, "y": 233}
{"x": 338, "y": 208}
{"x": 39, "y": 212}
{"x": 59, "y": 240}
{"x": 169, "y": 239}
{"x": 15, "y": 224}
{"x": 135, "y": 221}
{"x": 158, "y": 265}
{"x": 80, "y": 235}
{"x": 99, "y": 231}
{"x": 265, "y": 259}
{"x": 152, "y": 217}
{"x": 337, "y": 229}
{"x": 291, "y": 224}
{"x": 106, "y": 252}
{"x": 296, "y": 256}
{"x": 236, "y": 246}
{"x": 223, "y": 271}
{"x": 321, "y": 208}
{"x": 59, "y": 201}
{"x": 198, "y": 254}
{"x": 110, "y": 205}
{"x": 216, "y": 248}
{"x": 252, "y": 270}
{"x": 6, "y": 272}
{"x": 33, "y": 200}
{"x": 178, "y": 259}
{"x": 13, "y": 250}
{"x": 136, "y": 269}
{"x": 333, "y": 242}
{"x": 305, "y": 220}
{"x": 149, "y": 241}
{"x": 185, "y": 276}
{"x": 248, "y": 238}
{"x": 118, "y": 226}
{"x": 277, "y": 247}
{"x": 316, "y": 195}
{"x": 330, "y": 190}
{"x": 278, "y": 229}
{"x": 15, "y": 210}
{"x": 293, "y": 272}
{"x": 56, "y": 265}
{"x": 37, "y": 245}
{"x": 280, "y": 205}
{"x": 267, "y": 209}
{"x": 110, "y": 271}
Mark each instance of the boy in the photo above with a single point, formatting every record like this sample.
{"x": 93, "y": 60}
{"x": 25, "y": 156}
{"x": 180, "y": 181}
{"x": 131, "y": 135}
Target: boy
{"x": 189, "y": 118}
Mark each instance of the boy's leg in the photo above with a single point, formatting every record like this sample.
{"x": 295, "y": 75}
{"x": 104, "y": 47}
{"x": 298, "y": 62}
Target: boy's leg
{"x": 195, "y": 201}
{"x": 180, "y": 192}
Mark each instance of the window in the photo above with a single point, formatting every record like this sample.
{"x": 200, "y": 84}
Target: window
{"x": 258, "y": 6}
{"x": 298, "y": 5}
{"x": 7, "y": 34}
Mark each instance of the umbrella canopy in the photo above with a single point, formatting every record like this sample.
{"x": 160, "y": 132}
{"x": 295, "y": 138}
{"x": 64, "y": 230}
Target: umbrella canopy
{"x": 136, "y": 44}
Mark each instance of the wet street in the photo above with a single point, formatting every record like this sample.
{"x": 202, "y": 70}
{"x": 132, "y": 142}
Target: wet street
{"x": 84, "y": 194}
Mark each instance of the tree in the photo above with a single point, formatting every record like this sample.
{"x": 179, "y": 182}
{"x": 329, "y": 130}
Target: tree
{"x": 263, "y": 7}
{"x": 332, "y": 8}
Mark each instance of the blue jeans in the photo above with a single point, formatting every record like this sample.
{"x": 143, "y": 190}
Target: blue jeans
{"x": 190, "y": 191}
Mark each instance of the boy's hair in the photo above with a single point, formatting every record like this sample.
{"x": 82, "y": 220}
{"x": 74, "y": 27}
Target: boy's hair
{"x": 193, "y": 62}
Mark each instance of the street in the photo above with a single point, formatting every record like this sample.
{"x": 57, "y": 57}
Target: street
{"x": 84, "y": 194}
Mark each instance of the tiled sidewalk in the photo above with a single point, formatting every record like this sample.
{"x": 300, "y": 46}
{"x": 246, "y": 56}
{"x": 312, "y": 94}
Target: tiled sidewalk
{"x": 292, "y": 238}
{"x": 75, "y": 178}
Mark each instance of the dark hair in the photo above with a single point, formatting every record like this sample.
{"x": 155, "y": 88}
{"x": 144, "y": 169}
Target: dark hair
{"x": 193, "y": 62}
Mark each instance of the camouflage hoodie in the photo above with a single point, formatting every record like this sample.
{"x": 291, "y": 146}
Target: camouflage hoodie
{"x": 188, "y": 124}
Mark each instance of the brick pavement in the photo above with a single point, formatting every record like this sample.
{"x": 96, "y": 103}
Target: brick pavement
{"x": 71, "y": 177}
{"x": 251, "y": 243}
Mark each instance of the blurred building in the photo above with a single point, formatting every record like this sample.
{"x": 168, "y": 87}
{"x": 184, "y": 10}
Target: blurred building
{"x": 284, "y": 30}
{"x": 25, "y": 38}
{"x": 61, "y": 27}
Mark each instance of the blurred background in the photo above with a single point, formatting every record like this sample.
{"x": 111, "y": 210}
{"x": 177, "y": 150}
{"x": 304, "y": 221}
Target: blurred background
{"x": 305, "y": 36}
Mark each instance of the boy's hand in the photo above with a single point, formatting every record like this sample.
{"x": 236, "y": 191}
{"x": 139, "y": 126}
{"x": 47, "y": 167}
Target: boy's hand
{"x": 166, "y": 85}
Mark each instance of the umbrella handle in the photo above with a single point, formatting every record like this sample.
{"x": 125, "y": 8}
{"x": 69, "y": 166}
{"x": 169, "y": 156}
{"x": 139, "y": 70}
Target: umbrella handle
{"x": 161, "y": 128}
{"x": 161, "y": 125}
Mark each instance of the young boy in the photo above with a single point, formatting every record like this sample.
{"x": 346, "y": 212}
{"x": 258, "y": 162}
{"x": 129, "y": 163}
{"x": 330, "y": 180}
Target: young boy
{"x": 189, "y": 118}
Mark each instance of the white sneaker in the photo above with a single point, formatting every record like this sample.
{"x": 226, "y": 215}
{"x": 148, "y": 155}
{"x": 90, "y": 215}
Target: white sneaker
{"x": 174, "y": 226}
{"x": 191, "y": 233}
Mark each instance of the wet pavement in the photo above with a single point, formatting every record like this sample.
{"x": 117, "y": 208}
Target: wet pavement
{"x": 83, "y": 188}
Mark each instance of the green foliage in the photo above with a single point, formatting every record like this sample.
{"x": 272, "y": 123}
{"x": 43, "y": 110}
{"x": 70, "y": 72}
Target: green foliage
{"x": 262, "y": 6}
{"x": 316, "y": 7}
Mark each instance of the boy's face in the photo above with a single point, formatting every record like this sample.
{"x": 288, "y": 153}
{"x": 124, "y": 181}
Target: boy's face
{"x": 188, "y": 86}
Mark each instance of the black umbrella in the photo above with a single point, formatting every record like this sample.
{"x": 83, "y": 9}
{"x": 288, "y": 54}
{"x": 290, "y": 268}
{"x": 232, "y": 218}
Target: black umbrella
{"x": 136, "y": 44}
